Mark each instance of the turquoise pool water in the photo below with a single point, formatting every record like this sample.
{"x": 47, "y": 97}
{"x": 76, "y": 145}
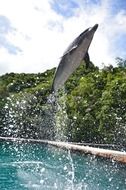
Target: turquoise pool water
{"x": 25, "y": 166}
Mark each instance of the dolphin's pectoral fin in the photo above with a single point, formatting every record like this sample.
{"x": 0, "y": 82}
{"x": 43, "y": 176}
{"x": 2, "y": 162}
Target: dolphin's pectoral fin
{"x": 72, "y": 49}
{"x": 87, "y": 60}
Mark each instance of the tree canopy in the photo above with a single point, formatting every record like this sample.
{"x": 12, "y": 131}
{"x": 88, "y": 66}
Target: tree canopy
{"x": 95, "y": 105}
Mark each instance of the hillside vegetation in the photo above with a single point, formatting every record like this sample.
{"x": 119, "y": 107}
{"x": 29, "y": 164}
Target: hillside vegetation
{"x": 95, "y": 103}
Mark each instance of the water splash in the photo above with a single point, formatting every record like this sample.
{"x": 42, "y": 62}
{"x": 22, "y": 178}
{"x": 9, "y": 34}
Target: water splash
{"x": 72, "y": 172}
{"x": 60, "y": 117}
{"x": 25, "y": 117}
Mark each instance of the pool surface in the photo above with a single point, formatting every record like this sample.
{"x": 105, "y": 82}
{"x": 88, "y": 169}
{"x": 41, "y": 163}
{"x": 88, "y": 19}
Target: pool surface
{"x": 34, "y": 166}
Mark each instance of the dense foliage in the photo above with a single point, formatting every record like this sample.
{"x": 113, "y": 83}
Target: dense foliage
{"x": 95, "y": 103}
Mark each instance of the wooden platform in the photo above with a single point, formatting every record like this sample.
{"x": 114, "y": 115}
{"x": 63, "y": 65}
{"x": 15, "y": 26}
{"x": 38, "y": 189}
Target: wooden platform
{"x": 111, "y": 154}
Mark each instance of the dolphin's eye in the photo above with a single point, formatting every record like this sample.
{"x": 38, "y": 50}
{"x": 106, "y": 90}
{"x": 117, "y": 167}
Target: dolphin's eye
{"x": 89, "y": 29}
{"x": 85, "y": 31}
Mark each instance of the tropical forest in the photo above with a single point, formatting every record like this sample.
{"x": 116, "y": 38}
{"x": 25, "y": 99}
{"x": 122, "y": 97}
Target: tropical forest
{"x": 91, "y": 107}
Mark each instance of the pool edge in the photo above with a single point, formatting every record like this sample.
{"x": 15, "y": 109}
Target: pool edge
{"x": 100, "y": 152}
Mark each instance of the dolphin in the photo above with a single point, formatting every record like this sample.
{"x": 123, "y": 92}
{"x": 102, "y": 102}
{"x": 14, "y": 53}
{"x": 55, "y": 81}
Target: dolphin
{"x": 72, "y": 57}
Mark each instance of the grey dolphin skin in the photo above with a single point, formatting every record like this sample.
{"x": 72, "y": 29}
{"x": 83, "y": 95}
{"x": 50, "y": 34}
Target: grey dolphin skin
{"x": 72, "y": 57}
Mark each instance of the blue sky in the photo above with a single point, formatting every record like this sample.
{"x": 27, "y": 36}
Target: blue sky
{"x": 117, "y": 6}
{"x": 67, "y": 8}
{"x": 35, "y": 33}
{"x": 64, "y": 7}
{"x": 5, "y": 28}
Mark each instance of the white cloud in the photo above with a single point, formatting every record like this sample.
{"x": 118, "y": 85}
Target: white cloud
{"x": 43, "y": 35}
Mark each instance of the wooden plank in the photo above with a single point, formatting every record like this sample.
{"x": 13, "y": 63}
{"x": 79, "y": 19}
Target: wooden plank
{"x": 111, "y": 154}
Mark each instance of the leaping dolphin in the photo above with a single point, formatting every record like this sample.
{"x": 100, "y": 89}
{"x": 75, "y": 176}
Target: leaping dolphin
{"x": 72, "y": 57}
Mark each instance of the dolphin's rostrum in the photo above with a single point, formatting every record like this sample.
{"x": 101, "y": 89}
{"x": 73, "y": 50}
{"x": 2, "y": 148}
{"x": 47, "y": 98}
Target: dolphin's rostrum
{"x": 72, "y": 57}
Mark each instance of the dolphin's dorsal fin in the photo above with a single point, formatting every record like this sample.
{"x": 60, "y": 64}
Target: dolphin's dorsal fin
{"x": 87, "y": 60}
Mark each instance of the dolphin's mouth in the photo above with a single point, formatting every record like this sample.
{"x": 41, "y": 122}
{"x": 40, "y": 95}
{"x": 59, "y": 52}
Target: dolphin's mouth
{"x": 94, "y": 28}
